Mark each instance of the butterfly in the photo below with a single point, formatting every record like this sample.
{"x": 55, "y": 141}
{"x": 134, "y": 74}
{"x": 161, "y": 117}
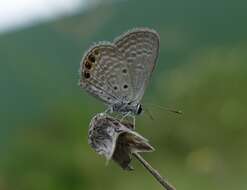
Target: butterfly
{"x": 118, "y": 72}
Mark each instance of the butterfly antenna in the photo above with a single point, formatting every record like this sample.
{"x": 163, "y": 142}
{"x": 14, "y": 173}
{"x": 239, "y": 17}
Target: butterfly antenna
{"x": 149, "y": 114}
{"x": 168, "y": 109}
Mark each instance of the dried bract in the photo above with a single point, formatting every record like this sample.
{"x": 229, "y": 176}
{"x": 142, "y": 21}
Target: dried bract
{"x": 116, "y": 140}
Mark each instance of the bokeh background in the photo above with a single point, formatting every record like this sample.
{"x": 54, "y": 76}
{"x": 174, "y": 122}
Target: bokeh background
{"x": 201, "y": 70}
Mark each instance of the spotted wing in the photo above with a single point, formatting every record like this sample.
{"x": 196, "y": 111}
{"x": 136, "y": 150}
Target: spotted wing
{"x": 140, "y": 48}
{"x": 104, "y": 73}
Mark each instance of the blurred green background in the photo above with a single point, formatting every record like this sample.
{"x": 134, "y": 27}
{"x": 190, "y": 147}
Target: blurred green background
{"x": 201, "y": 70}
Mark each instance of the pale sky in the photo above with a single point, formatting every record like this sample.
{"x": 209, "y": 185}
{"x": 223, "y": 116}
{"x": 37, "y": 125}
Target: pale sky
{"x": 20, "y": 13}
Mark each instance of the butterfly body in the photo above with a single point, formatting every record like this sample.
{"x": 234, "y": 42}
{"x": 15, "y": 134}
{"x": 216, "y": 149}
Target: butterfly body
{"x": 126, "y": 108}
{"x": 118, "y": 72}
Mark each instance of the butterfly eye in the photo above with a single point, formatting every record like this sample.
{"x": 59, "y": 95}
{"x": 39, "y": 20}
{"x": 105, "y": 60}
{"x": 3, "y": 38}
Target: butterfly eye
{"x": 125, "y": 86}
{"x": 115, "y": 87}
{"x": 139, "y": 110}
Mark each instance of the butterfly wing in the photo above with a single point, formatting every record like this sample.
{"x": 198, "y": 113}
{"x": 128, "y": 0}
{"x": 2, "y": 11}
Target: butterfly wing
{"x": 140, "y": 48}
{"x": 105, "y": 74}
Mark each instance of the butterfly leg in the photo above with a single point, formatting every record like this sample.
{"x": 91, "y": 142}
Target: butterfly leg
{"x": 134, "y": 122}
{"x": 129, "y": 115}
{"x": 126, "y": 115}
{"x": 108, "y": 110}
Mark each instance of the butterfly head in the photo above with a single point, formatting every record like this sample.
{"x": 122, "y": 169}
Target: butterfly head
{"x": 127, "y": 108}
{"x": 134, "y": 108}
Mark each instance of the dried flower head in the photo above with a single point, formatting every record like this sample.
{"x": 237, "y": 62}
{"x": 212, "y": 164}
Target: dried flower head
{"x": 116, "y": 140}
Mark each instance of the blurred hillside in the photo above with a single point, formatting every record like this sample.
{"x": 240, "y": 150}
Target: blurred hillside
{"x": 201, "y": 70}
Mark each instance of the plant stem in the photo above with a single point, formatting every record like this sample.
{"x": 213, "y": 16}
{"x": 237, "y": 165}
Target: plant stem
{"x": 154, "y": 172}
